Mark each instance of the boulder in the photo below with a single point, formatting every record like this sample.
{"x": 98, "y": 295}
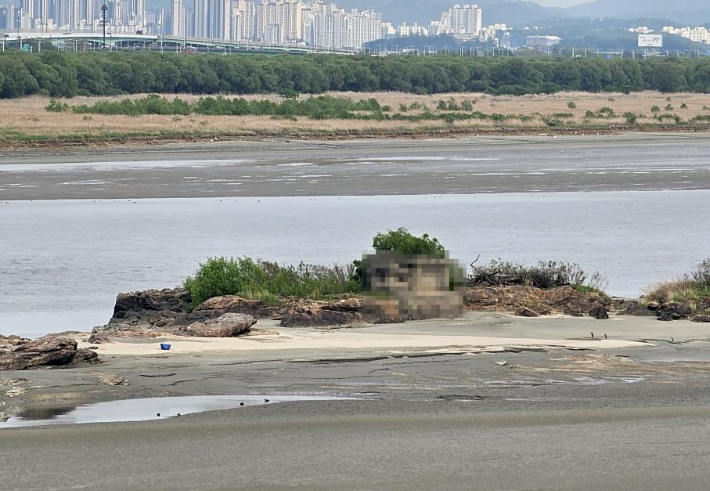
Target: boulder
{"x": 633, "y": 307}
{"x": 98, "y": 338}
{"x": 218, "y": 306}
{"x": 526, "y": 312}
{"x": 700, "y": 318}
{"x": 321, "y": 314}
{"x": 84, "y": 355}
{"x": 598, "y": 312}
{"x": 225, "y": 326}
{"x": 43, "y": 352}
{"x": 673, "y": 312}
{"x": 147, "y": 309}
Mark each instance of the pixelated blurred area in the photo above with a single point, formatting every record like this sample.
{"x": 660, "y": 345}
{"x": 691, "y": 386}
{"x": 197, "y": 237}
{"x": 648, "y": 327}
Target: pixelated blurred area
{"x": 399, "y": 287}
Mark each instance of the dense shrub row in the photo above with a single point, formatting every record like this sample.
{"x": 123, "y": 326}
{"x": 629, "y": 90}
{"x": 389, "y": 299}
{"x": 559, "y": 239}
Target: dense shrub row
{"x": 62, "y": 74}
{"x": 321, "y": 107}
{"x": 317, "y": 107}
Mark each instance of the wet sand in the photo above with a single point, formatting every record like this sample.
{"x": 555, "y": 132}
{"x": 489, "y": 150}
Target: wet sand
{"x": 630, "y": 415}
{"x": 643, "y": 161}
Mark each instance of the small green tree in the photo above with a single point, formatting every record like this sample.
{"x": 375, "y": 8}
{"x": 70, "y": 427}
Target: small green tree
{"x": 403, "y": 242}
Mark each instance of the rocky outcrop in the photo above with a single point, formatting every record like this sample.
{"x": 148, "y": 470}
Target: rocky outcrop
{"x": 632, "y": 307}
{"x": 225, "y": 326}
{"x": 148, "y": 309}
{"x": 99, "y": 338}
{"x": 44, "y": 351}
{"x": 671, "y": 311}
{"x": 560, "y": 300}
{"x": 168, "y": 310}
{"x": 227, "y": 304}
{"x": 319, "y": 313}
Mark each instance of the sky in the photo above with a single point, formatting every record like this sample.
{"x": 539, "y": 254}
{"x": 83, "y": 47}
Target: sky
{"x": 559, "y": 3}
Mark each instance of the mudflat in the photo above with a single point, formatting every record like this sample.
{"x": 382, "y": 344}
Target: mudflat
{"x": 505, "y": 402}
{"x": 366, "y": 167}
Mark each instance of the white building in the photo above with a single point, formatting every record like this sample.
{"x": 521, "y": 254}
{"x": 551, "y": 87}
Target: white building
{"x": 463, "y": 22}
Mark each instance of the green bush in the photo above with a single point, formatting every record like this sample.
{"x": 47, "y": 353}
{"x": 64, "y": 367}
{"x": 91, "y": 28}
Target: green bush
{"x": 56, "y": 106}
{"x": 268, "y": 281}
{"x": 402, "y": 241}
{"x": 571, "y": 105}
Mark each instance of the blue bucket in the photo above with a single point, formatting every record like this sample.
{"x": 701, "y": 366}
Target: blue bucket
{"x": 164, "y": 346}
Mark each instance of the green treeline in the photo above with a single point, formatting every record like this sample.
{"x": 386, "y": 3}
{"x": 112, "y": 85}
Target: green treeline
{"x": 62, "y": 74}
{"x": 316, "y": 108}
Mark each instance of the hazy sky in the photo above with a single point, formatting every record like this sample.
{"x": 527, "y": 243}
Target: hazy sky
{"x": 559, "y": 3}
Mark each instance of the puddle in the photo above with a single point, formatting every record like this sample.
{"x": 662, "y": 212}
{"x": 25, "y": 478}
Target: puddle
{"x": 146, "y": 409}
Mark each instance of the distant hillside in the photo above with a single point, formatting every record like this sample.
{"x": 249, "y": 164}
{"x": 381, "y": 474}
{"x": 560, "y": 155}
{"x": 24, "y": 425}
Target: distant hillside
{"x": 518, "y": 12}
{"x": 691, "y": 12}
{"x": 423, "y": 11}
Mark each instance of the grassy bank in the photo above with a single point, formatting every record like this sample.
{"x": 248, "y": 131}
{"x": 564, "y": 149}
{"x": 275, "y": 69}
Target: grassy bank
{"x": 343, "y": 115}
{"x": 692, "y": 290}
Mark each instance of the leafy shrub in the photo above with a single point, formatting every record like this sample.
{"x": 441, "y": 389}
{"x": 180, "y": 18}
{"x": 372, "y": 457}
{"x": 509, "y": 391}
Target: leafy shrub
{"x": 288, "y": 93}
{"x": 467, "y": 105}
{"x": 668, "y": 107}
{"x": 56, "y": 106}
{"x": 571, "y": 105}
{"x": 630, "y": 118}
{"x": 655, "y": 109}
{"x": 269, "y": 281}
{"x": 684, "y": 106}
{"x": 402, "y": 241}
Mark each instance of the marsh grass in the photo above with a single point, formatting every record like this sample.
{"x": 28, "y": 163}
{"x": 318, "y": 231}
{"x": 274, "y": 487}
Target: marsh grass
{"x": 692, "y": 289}
{"x": 268, "y": 281}
{"x": 544, "y": 274}
{"x": 27, "y": 120}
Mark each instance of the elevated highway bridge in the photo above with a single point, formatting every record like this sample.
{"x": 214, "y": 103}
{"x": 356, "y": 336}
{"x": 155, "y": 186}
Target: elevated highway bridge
{"x": 94, "y": 41}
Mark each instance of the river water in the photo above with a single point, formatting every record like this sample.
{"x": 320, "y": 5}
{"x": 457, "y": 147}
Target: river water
{"x": 63, "y": 262}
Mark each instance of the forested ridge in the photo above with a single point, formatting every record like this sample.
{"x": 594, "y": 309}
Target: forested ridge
{"x": 61, "y": 74}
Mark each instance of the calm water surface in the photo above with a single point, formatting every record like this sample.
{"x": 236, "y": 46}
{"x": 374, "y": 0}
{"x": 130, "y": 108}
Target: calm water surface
{"x": 62, "y": 263}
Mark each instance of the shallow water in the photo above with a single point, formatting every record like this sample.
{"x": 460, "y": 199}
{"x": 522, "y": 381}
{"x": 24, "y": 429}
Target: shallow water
{"x": 146, "y": 409}
{"x": 62, "y": 263}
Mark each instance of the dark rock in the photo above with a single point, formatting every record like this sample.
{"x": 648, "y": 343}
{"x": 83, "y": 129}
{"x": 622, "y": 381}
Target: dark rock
{"x": 84, "y": 355}
{"x": 147, "y": 309}
{"x": 598, "y": 312}
{"x": 673, "y": 312}
{"x": 526, "y": 312}
{"x": 227, "y": 325}
{"x": 319, "y": 314}
{"x": 42, "y": 352}
{"x": 98, "y": 338}
{"x": 635, "y": 308}
{"x": 700, "y": 318}
{"x": 227, "y": 304}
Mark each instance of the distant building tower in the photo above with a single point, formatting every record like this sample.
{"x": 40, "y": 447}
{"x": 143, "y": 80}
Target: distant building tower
{"x": 176, "y": 13}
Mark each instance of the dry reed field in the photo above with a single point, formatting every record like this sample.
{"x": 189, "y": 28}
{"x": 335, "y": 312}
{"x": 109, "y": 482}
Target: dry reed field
{"x": 27, "y": 120}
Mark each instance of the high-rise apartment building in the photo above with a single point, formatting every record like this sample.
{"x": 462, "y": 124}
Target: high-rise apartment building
{"x": 466, "y": 21}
